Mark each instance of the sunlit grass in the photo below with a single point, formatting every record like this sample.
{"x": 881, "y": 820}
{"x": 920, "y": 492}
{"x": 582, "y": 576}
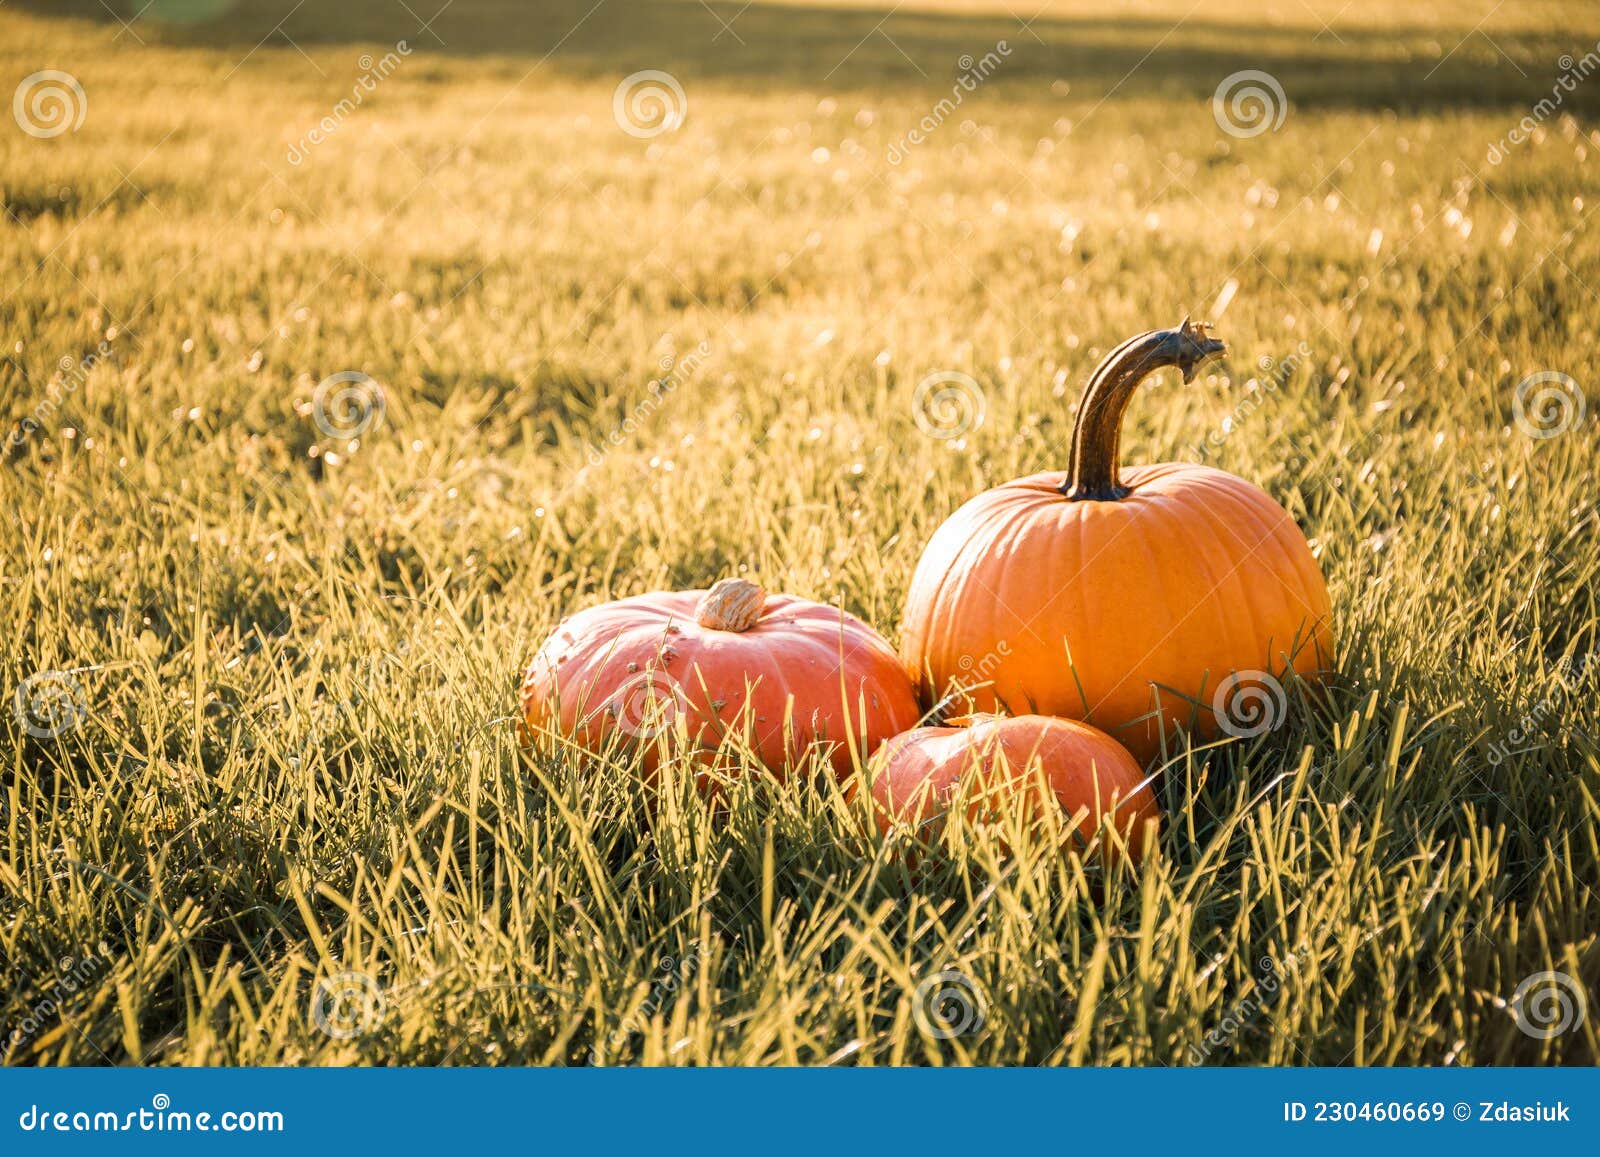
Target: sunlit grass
{"x": 298, "y": 655}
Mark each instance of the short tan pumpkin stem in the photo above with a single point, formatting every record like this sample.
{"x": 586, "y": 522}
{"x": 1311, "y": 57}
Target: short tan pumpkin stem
{"x": 732, "y": 604}
{"x": 1094, "y": 474}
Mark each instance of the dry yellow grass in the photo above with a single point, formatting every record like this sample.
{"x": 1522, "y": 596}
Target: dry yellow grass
{"x": 297, "y": 652}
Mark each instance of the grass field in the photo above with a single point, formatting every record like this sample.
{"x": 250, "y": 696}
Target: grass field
{"x": 262, "y": 800}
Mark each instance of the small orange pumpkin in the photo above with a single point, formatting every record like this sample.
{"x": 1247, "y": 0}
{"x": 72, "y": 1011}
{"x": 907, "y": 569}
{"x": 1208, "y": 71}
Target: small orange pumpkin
{"x": 914, "y": 775}
{"x": 785, "y": 673}
{"x": 1129, "y": 598}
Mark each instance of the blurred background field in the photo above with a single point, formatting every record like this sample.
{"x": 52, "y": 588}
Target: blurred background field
{"x": 289, "y": 657}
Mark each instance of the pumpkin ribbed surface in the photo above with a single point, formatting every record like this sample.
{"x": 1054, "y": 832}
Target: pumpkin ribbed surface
{"x": 994, "y": 762}
{"x": 784, "y": 673}
{"x": 1112, "y": 611}
{"x": 1128, "y": 598}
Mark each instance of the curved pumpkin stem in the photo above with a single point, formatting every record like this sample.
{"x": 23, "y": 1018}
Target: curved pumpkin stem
{"x": 1094, "y": 474}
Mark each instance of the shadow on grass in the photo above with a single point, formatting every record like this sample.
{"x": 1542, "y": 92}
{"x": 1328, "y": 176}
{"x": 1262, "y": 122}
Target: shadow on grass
{"x": 1410, "y": 67}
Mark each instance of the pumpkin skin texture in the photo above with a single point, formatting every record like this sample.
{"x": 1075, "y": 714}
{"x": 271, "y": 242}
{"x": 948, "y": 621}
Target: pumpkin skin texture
{"x": 914, "y": 775}
{"x": 784, "y": 673}
{"x": 1130, "y": 598}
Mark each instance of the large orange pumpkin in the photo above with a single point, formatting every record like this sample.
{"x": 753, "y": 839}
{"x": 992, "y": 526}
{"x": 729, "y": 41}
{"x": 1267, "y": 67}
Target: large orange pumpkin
{"x": 781, "y": 673}
{"x": 1130, "y": 598}
{"x": 995, "y": 761}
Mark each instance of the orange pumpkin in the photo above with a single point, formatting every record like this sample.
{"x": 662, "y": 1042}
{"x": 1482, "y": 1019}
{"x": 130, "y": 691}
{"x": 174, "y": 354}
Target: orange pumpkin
{"x": 782, "y": 673}
{"x": 1131, "y": 598}
{"x": 995, "y": 760}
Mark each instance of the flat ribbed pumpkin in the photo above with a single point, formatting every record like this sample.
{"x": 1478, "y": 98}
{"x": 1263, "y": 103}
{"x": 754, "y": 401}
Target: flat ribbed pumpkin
{"x": 782, "y": 673}
{"x": 1125, "y": 597}
{"x": 996, "y": 761}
